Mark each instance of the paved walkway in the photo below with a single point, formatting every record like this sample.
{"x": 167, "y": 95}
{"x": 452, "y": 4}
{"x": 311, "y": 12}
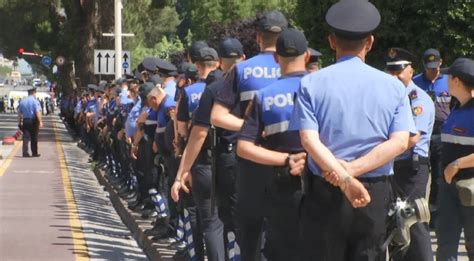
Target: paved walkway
{"x": 52, "y": 207}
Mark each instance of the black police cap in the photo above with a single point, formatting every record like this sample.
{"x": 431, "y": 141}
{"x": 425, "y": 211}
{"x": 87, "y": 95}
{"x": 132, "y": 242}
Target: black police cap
{"x": 230, "y": 48}
{"x": 117, "y": 91}
{"x": 291, "y": 43}
{"x": 167, "y": 68}
{"x": 273, "y": 21}
{"x": 398, "y": 59}
{"x": 431, "y": 58}
{"x": 151, "y": 63}
{"x": 314, "y": 53}
{"x": 155, "y": 79}
{"x": 91, "y": 87}
{"x": 32, "y": 89}
{"x": 214, "y": 76}
{"x": 183, "y": 67}
{"x": 191, "y": 72}
{"x": 353, "y": 19}
{"x": 145, "y": 89}
{"x": 463, "y": 68}
{"x": 207, "y": 54}
{"x": 195, "y": 47}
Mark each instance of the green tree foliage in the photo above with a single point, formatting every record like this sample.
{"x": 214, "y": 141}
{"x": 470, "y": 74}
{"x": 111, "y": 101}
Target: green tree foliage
{"x": 154, "y": 23}
{"x": 414, "y": 25}
{"x": 199, "y": 15}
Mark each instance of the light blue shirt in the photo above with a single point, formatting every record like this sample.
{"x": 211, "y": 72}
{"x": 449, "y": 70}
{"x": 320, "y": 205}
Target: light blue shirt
{"x": 170, "y": 88}
{"x": 131, "y": 123}
{"x": 29, "y": 106}
{"x": 354, "y": 107}
{"x": 124, "y": 99}
{"x": 423, "y": 111}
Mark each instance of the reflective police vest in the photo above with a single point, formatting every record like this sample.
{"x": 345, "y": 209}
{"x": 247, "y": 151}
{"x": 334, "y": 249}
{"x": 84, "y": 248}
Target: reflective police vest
{"x": 162, "y": 119}
{"x": 254, "y": 74}
{"x": 276, "y": 103}
{"x": 193, "y": 93}
{"x": 150, "y": 124}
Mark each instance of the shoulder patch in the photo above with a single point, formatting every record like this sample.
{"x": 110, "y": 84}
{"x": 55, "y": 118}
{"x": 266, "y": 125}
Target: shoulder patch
{"x": 459, "y": 130}
{"x": 417, "y": 110}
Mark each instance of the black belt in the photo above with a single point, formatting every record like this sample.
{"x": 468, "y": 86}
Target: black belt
{"x": 224, "y": 147}
{"x": 311, "y": 181}
{"x": 421, "y": 160}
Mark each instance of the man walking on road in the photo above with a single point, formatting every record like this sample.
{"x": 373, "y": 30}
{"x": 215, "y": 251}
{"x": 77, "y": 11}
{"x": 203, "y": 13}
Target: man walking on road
{"x": 30, "y": 121}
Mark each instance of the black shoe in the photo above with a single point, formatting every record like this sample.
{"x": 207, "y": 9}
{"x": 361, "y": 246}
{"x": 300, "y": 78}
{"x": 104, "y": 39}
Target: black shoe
{"x": 26, "y": 155}
{"x": 138, "y": 207}
{"x": 158, "y": 232}
{"x": 178, "y": 246}
{"x": 36, "y": 155}
{"x": 148, "y": 213}
{"x": 181, "y": 254}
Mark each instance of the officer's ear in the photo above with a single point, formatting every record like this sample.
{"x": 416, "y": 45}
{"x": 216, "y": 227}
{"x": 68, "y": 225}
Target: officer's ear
{"x": 307, "y": 56}
{"x": 369, "y": 43}
{"x": 275, "y": 56}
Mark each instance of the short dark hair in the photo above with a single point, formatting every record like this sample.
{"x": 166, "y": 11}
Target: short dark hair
{"x": 469, "y": 85}
{"x": 350, "y": 44}
{"x": 269, "y": 38}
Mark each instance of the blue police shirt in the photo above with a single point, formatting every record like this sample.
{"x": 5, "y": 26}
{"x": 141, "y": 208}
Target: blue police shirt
{"x": 270, "y": 115}
{"x": 354, "y": 107}
{"x": 246, "y": 78}
{"x": 96, "y": 109}
{"x": 29, "y": 106}
{"x": 439, "y": 93}
{"x": 150, "y": 124}
{"x": 423, "y": 114}
{"x": 170, "y": 88}
{"x": 78, "y": 108}
{"x": 131, "y": 123}
{"x": 189, "y": 100}
{"x": 124, "y": 99}
{"x": 457, "y": 135}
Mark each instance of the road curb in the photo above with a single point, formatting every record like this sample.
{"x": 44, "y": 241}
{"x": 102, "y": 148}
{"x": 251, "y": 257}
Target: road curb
{"x": 133, "y": 221}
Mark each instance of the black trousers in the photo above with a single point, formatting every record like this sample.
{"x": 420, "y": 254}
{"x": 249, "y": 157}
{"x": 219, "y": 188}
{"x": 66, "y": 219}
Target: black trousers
{"x": 225, "y": 188}
{"x": 252, "y": 181}
{"x": 332, "y": 230}
{"x": 30, "y": 133}
{"x": 282, "y": 237}
{"x": 413, "y": 183}
{"x": 211, "y": 225}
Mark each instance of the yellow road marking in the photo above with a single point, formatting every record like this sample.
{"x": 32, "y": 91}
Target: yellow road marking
{"x": 80, "y": 246}
{"x": 10, "y": 157}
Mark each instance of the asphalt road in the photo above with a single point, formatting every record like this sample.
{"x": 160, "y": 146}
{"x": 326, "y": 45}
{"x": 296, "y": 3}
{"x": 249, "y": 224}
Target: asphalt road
{"x": 53, "y": 208}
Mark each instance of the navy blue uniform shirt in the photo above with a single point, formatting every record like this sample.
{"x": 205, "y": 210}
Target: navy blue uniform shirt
{"x": 457, "y": 136}
{"x": 439, "y": 93}
{"x": 245, "y": 79}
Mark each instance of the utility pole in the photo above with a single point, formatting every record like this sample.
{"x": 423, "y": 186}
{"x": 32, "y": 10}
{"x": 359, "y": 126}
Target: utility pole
{"x": 118, "y": 6}
{"x": 118, "y": 38}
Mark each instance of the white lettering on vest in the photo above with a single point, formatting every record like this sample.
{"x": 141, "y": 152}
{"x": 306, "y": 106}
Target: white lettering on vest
{"x": 279, "y": 100}
{"x": 261, "y": 72}
{"x": 195, "y": 97}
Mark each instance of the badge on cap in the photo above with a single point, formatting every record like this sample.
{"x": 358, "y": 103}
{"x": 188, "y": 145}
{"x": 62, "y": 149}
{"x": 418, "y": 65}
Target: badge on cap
{"x": 392, "y": 53}
{"x": 418, "y": 110}
{"x": 431, "y": 58}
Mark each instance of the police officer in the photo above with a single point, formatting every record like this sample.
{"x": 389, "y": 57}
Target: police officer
{"x": 30, "y": 121}
{"x": 313, "y": 64}
{"x": 411, "y": 169}
{"x": 239, "y": 88}
{"x": 456, "y": 193}
{"x": 436, "y": 85}
{"x": 212, "y": 227}
{"x": 230, "y": 53}
{"x": 168, "y": 72}
{"x": 265, "y": 139}
{"x": 353, "y": 121}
